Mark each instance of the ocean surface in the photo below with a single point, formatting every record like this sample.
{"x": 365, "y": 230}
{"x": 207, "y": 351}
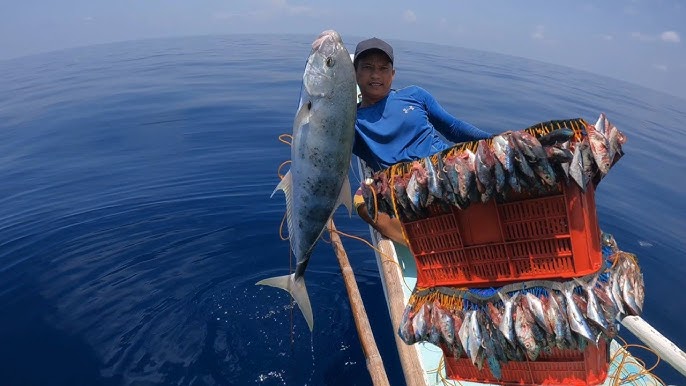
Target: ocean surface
{"x": 135, "y": 215}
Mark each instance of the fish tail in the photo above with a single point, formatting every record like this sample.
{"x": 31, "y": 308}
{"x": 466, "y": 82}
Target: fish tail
{"x": 297, "y": 289}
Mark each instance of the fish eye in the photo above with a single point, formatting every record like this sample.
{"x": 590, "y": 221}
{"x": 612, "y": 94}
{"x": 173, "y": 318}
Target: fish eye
{"x": 329, "y": 62}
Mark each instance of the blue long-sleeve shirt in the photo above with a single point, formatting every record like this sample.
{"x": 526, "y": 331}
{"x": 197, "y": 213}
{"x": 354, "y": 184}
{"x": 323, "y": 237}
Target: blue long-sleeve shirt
{"x": 402, "y": 127}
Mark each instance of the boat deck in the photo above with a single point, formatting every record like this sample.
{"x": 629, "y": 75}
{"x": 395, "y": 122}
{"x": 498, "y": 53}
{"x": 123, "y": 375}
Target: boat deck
{"x": 624, "y": 369}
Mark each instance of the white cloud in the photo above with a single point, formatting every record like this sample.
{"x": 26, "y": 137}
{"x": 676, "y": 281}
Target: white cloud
{"x": 607, "y": 37}
{"x": 660, "y": 67}
{"x": 670, "y": 36}
{"x": 409, "y": 16}
{"x": 88, "y": 19}
{"x": 538, "y": 33}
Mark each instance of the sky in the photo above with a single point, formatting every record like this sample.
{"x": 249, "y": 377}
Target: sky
{"x": 639, "y": 41}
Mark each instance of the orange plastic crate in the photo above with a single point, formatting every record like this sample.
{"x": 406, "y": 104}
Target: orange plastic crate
{"x": 559, "y": 367}
{"x": 551, "y": 237}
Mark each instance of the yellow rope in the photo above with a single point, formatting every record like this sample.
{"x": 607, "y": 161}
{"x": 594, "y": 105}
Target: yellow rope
{"x": 617, "y": 378}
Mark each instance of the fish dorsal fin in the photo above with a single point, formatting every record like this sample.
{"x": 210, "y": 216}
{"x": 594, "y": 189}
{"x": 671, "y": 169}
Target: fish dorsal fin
{"x": 345, "y": 197}
{"x": 286, "y": 185}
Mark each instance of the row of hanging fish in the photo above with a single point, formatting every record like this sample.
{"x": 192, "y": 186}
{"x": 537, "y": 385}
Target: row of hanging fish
{"x": 529, "y": 161}
{"x": 524, "y": 323}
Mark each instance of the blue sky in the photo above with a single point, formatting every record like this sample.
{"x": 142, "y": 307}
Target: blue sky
{"x": 640, "y": 41}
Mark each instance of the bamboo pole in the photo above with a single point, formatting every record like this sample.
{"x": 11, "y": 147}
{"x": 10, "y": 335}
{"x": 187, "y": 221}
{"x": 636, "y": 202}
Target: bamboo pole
{"x": 392, "y": 277}
{"x": 656, "y": 341}
{"x": 364, "y": 330}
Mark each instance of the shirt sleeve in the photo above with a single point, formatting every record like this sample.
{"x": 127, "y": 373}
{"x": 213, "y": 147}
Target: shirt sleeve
{"x": 452, "y": 128}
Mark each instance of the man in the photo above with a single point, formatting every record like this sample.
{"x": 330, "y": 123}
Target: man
{"x": 397, "y": 125}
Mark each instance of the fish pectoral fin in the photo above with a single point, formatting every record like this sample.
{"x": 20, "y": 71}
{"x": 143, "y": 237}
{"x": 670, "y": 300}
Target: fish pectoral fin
{"x": 284, "y": 184}
{"x": 345, "y": 197}
{"x": 297, "y": 290}
{"x": 302, "y": 117}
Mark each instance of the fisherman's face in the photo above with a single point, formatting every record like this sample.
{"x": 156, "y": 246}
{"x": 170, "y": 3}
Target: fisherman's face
{"x": 374, "y": 75}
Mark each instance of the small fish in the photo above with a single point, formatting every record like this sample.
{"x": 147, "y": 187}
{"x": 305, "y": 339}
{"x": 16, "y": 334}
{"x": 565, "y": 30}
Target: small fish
{"x": 599, "y": 149}
{"x": 435, "y": 324}
{"x": 423, "y": 181}
{"x": 615, "y": 140}
{"x": 594, "y": 311}
{"x": 506, "y": 325}
{"x": 570, "y": 340}
{"x": 502, "y": 148}
{"x": 522, "y": 164}
{"x": 434, "y": 185}
{"x": 531, "y": 149}
{"x": 475, "y": 340}
{"x": 494, "y": 313}
{"x": 576, "y": 168}
{"x": 452, "y": 167}
{"x": 639, "y": 289}
{"x": 414, "y": 191}
{"x": 616, "y": 290}
{"x": 628, "y": 295}
{"x": 421, "y": 323}
{"x": 500, "y": 177}
{"x": 601, "y": 123}
{"x": 492, "y": 354}
{"x": 484, "y": 164}
{"x": 558, "y": 155}
{"x": 503, "y": 152}
{"x": 609, "y": 241}
{"x": 576, "y": 319}
{"x": 524, "y": 325}
{"x": 610, "y": 310}
{"x": 536, "y": 308}
{"x": 466, "y": 176}
{"x": 400, "y": 189}
{"x": 539, "y": 163}
{"x": 556, "y": 136}
{"x": 457, "y": 325}
{"x": 557, "y": 319}
{"x": 589, "y": 166}
{"x": 446, "y": 326}
{"x": 465, "y": 331}
{"x": 442, "y": 166}
{"x": 405, "y": 330}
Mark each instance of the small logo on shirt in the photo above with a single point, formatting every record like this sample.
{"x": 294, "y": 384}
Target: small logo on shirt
{"x": 408, "y": 109}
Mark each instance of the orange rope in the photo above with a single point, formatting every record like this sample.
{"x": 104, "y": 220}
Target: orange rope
{"x": 278, "y": 170}
{"x": 286, "y": 138}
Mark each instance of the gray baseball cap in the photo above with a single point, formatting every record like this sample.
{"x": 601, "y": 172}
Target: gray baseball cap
{"x": 373, "y": 44}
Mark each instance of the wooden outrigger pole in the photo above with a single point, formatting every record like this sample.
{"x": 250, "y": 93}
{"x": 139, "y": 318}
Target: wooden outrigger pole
{"x": 364, "y": 329}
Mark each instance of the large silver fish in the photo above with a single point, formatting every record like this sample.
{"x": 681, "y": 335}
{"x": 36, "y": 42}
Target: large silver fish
{"x": 317, "y": 182}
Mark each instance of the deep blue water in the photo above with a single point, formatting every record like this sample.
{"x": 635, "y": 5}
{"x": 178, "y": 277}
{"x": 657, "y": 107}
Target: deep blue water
{"x": 135, "y": 215}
